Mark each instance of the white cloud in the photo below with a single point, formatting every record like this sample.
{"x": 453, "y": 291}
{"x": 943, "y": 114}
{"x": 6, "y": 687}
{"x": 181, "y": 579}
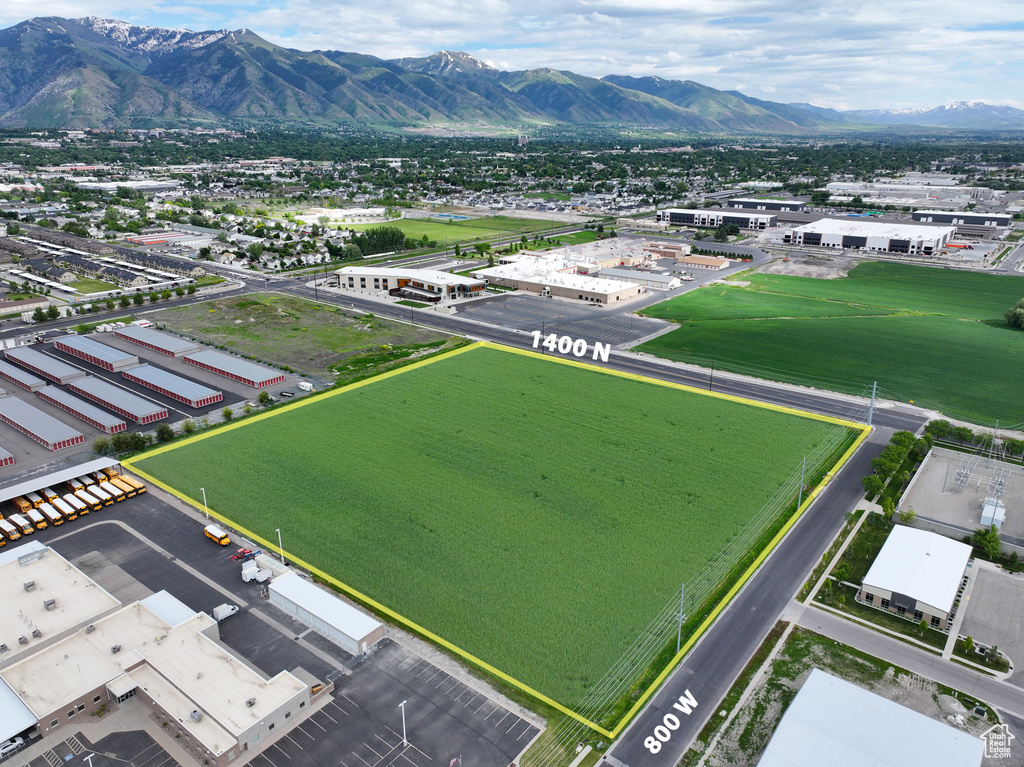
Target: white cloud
{"x": 875, "y": 54}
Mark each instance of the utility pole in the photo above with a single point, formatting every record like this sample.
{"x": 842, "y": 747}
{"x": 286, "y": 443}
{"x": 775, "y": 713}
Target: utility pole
{"x": 992, "y": 444}
{"x": 679, "y": 632}
{"x": 711, "y": 378}
{"x": 871, "y": 407}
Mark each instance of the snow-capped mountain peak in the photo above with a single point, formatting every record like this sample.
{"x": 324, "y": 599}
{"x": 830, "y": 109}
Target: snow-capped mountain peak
{"x": 153, "y": 40}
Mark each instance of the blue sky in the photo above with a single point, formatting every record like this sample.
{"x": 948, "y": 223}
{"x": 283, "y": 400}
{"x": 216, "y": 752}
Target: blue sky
{"x": 872, "y": 54}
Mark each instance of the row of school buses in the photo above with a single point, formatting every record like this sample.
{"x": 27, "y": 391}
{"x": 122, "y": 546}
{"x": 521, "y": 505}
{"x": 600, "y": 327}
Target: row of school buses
{"x": 90, "y": 492}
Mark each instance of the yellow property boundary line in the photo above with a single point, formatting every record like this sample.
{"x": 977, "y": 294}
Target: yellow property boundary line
{"x": 382, "y": 609}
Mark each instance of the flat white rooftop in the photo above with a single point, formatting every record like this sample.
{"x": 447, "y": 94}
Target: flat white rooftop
{"x": 424, "y": 275}
{"x": 882, "y": 229}
{"x": 325, "y": 606}
{"x": 832, "y": 722}
{"x": 924, "y": 566}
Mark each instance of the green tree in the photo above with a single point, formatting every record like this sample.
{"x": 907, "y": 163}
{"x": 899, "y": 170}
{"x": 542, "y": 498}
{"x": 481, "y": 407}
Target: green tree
{"x": 138, "y": 299}
{"x": 101, "y": 445}
{"x": 380, "y": 239}
{"x": 165, "y": 295}
{"x": 458, "y": 251}
{"x": 191, "y": 289}
{"x": 179, "y": 292}
{"x": 888, "y": 509}
{"x": 922, "y": 626}
{"x": 264, "y": 399}
{"x": 907, "y": 515}
{"x": 13, "y": 229}
{"x": 154, "y": 297}
{"x": 939, "y": 428}
{"x": 109, "y": 304}
{"x": 968, "y": 645}
{"x": 52, "y": 313}
{"x": 820, "y": 197}
{"x": 124, "y": 302}
{"x": 188, "y": 427}
{"x": 1015, "y": 315}
{"x": 873, "y": 485}
{"x": 227, "y": 414}
{"x": 962, "y": 434}
{"x": 988, "y": 541}
{"x": 39, "y": 315}
{"x": 164, "y": 432}
{"x": 1013, "y": 446}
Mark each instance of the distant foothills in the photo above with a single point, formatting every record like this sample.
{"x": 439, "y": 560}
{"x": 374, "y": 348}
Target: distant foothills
{"x": 99, "y": 73}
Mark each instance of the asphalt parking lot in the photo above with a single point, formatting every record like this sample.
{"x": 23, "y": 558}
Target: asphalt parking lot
{"x": 134, "y": 748}
{"x": 143, "y": 545}
{"x": 995, "y": 616}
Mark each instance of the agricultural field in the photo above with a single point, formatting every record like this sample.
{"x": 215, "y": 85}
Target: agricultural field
{"x": 309, "y": 337}
{"x": 924, "y": 334}
{"x": 477, "y": 497}
{"x": 461, "y": 231}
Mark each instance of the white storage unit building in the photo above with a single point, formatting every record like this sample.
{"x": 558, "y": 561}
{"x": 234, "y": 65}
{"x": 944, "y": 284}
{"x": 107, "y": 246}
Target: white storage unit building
{"x": 352, "y": 630}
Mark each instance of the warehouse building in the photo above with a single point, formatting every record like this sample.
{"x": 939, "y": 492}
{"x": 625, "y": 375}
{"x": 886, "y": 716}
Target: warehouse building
{"x": 649, "y": 279}
{"x": 873, "y": 236}
{"x": 101, "y": 355}
{"x": 715, "y": 218}
{"x": 33, "y": 422}
{"x": 122, "y": 402}
{"x": 170, "y": 385}
{"x": 44, "y": 365}
{"x": 917, "y": 575}
{"x": 555, "y": 276}
{"x": 87, "y": 648}
{"x": 959, "y": 217}
{"x": 755, "y": 203}
{"x": 422, "y": 284}
{"x": 833, "y": 722}
{"x": 248, "y": 373}
{"x": 6, "y": 459}
{"x": 353, "y": 630}
{"x": 82, "y": 410}
{"x": 156, "y": 341}
{"x": 713, "y": 263}
{"x": 19, "y": 377}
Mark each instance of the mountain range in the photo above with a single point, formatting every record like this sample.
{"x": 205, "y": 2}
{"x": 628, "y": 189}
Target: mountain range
{"x": 100, "y": 73}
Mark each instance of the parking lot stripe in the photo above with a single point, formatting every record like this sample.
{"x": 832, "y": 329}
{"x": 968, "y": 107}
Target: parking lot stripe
{"x": 264, "y": 756}
{"x": 452, "y": 688}
{"x": 328, "y": 715}
{"x": 433, "y": 675}
{"x": 371, "y": 748}
{"x": 299, "y": 729}
{"x": 517, "y": 721}
{"x": 439, "y": 683}
{"x": 296, "y": 744}
{"x": 475, "y": 694}
{"x": 486, "y": 701}
{"x": 357, "y": 756}
{"x": 278, "y": 747}
{"x": 502, "y": 719}
{"x": 525, "y": 730}
{"x": 311, "y": 720}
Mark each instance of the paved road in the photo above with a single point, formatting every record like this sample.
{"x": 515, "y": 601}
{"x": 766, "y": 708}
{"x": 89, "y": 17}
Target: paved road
{"x": 713, "y": 665}
{"x": 814, "y": 401}
{"x": 999, "y": 694}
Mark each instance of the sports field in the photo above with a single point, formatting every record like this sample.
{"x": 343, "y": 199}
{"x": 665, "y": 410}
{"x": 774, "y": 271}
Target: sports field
{"x": 933, "y": 336}
{"x": 461, "y": 231}
{"x": 535, "y": 514}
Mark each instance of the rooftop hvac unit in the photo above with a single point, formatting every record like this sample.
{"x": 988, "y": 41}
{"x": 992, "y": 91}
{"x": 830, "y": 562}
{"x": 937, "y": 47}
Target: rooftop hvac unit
{"x": 4, "y": 648}
{"x": 23, "y": 639}
{"x": 36, "y": 633}
{"x": 49, "y": 604}
{"x": 115, "y": 649}
{"x": 30, "y": 586}
{"x": 251, "y": 702}
{"x": 89, "y": 629}
{"x": 197, "y": 716}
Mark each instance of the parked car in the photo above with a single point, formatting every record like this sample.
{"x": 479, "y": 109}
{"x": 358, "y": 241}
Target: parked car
{"x": 12, "y": 745}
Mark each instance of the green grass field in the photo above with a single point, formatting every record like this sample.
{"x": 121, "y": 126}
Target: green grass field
{"x": 461, "y": 231}
{"x": 479, "y": 497}
{"x": 88, "y": 285}
{"x": 933, "y": 336}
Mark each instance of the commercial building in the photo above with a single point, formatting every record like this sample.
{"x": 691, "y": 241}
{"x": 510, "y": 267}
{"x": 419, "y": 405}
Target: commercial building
{"x": 713, "y": 263}
{"x": 193, "y": 394}
{"x": 659, "y": 280}
{"x": 20, "y": 377}
{"x": 420, "y": 284}
{"x": 959, "y": 217}
{"x": 917, "y": 575}
{"x": 91, "y": 414}
{"x": 156, "y": 341}
{"x": 44, "y": 365}
{"x": 716, "y": 218}
{"x": 676, "y": 250}
{"x": 353, "y": 630}
{"x": 122, "y": 402}
{"x": 833, "y": 722}
{"x": 874, "y": 236}
{"x": 101, "y": 355}
{"x": 33, "y": 422}
{"x": 87, "y": 648}
{"x": 6, "y": 459}
{"x": 226, "y": 365}
{"x": 756, "y": 203}
{"x": 556, "y": 276}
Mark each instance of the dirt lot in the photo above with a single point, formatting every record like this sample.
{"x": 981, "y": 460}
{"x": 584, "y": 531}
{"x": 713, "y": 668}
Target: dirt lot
{"x": 309, "y": 337}
{"x": 821, "y": 267}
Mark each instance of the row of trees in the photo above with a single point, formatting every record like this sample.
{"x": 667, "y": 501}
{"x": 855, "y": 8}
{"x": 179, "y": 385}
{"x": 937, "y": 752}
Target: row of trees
{"x": 943, "y": 429}
{"x": 889, "y": 461}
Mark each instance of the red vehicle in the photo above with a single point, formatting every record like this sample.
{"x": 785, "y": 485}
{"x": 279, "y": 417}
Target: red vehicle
{"x": 244, "y": 554}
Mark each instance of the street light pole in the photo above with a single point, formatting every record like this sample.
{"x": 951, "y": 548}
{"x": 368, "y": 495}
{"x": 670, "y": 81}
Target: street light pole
{"x": 280, "y": 546}
{"x": 402, "y": 706}
{"x": 205, "y": 507}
